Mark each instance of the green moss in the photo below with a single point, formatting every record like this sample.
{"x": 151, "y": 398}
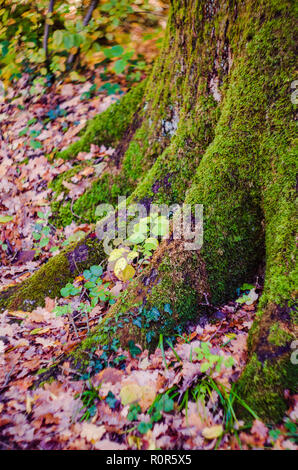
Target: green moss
{"x": 57, "y": 183}
{"x": 278, "y": 336}
{"x": 108, "y": 127}
{"x": 262, "y": 387}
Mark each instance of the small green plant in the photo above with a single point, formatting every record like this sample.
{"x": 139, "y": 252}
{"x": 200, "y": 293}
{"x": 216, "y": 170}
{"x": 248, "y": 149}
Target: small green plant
{"x": 32, "y": 134}
{"x": 41, "y": 232}
{"x": 97, "y": 290}
{"x": 88, "y": 94}
{"x": 145, "y": 318}
{"x": 89, "y": 398}
{"x": 133, "y": 349}
{"x": 249, "y": 295}
{"x": 162, "y": 404}
{"x": 211, "y": 361}
{"x": 134, "y": 411}
{"x": 70, "y": 290}
{"x": 61, "y": 310}
{"x": 111, "y": 400}
{"x": 4, "y": 246}
{"x": 138, "y": 246}
{"x": 110, "y": 357}
{"x": 94, "y": 290}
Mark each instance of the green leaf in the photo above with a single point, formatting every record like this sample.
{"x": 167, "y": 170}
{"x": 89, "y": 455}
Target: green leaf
{"x": 23, "y": 131}
{"x": 205, "y": 348}
{"x": 274, "y": 434}
{"x": 204, "y": 367}
{"x": 78, "y": 40}
{"x": 58, "y": 37}
{"x": 65, "y": 291}
{"x": 111, "y": 400}
{"x": 161, "y": 227}
{"x": 43, "y": 242}
{"x": 134, "y": 410}
{"x": 62, "y": 310}
{"x": 137, "y": 238}
{"x": 46, "y": 230}
{"x": 144, "y": 427}
{"x": 36, "y": 235}
{"x": 119, "y": 66}
{"x": 90, "y": 285}
{"x": 168, "y": 404}
{"x": 151, "y": 243}
{"x": 35, "y": 144}
{"x": 133, "y": 349}
{"x": 96, "y": 270}
{"x": 114, "y": 51}
{"x": 246, "y": 286}
{"x": 87, "y": 274}
{"x": 68, "y": 41}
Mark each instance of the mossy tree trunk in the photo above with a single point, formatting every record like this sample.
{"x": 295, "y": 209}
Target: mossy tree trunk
{"x": 215, "y": 127}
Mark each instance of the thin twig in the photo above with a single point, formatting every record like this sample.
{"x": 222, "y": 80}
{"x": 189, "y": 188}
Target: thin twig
{"x": 73, "y": 325}
{"x": 46, "y": 31}
{"x": 93, "y": 5}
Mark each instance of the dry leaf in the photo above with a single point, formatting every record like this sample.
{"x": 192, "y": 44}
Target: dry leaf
{"x": 92, "y": 433}
{"x": 213, "y": 432}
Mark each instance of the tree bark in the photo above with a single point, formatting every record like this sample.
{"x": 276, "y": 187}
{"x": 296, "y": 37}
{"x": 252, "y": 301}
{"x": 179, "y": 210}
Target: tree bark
{"x": 217, "y": 129}
{"x": 46, "y": 32}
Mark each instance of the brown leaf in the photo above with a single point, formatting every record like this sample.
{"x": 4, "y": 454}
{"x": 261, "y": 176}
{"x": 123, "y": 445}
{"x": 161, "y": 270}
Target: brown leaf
{"x": 92, "y": 433}
{"x": 259, "y": 429}
{"x": 49, "y": 304}
{"x": 110, "y": 375}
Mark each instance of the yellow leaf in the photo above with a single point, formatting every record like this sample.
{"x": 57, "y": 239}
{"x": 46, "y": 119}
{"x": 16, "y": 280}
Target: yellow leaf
{"x": 130, "y": 393}
{"x": 127, "y": 273}
{"x": 115, "y": 254}
{"x": 39, "y": 331}
{"x": 213, "y": 432}
{"x": 18, "y": 314}
{"x": 134, "y": 393}
{"x": 134, "y": 441}
{"x": 120, "y": 265}
{"x": 132, "y": 255}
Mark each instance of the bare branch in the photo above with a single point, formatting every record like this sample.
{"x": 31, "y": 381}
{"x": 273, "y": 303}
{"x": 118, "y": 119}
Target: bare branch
{"x": 87, "y": 18}
{"x": 46, "y": 31}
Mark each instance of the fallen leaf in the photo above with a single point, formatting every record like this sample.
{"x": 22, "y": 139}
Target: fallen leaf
{"x": 212, "y": 432}
{"x": 259, "y": 429}
{"x": 92, "y": 433}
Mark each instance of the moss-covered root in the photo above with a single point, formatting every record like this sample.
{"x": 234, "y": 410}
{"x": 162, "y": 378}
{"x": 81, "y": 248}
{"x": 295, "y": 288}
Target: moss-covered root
{"x": 271, "y": 368}
{"x": 109, "y": 126}
{"x": 168, "y": 293}
{"x": 51, "y": 277}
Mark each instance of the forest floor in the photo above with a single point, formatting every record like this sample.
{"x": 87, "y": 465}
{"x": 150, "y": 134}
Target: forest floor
{"x": 126, "y": 399}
